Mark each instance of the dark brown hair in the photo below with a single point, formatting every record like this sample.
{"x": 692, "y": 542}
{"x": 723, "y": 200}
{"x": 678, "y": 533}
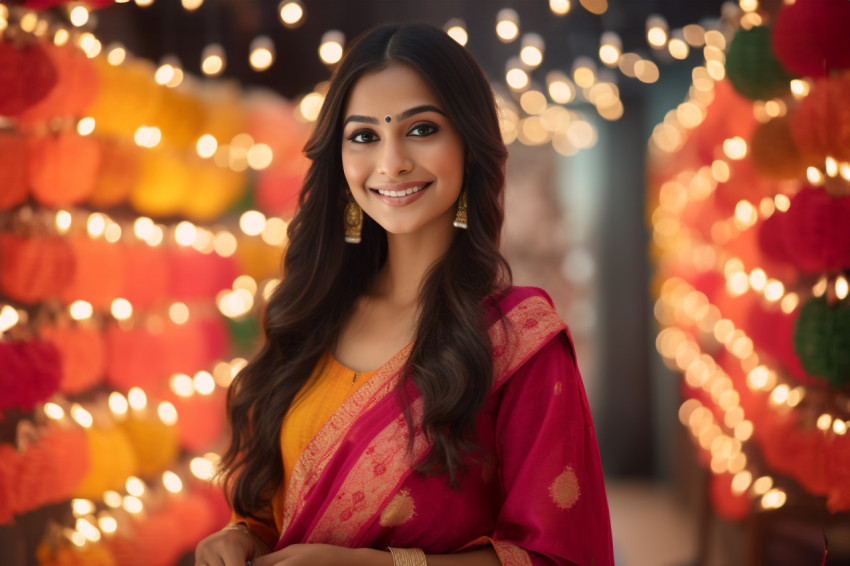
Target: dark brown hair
{"x": 451, "y": 361}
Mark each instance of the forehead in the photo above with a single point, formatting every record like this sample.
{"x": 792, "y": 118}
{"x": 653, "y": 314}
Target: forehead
{"x": 389, "y": 91}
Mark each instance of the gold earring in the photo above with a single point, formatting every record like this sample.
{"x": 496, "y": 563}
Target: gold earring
{"x": 460, "y": 218}
{"x": 353, "y": 218}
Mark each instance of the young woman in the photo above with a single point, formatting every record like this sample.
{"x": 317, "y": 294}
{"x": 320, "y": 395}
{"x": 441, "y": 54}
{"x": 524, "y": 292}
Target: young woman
{"x": 408, "y": 406}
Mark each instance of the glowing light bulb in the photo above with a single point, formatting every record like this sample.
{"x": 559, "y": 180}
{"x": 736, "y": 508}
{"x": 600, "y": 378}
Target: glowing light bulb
{"x": 118, "y": 404}
{"x": 310, "y": 106}
{"x": 252, "y": 222}
{"x": 456, "y": 29}
{"x": 330, "y": 48}
{"x": 559, "y": 7}
{"x": 80, "y": 310}
{"x": 137, "y": 398}
{"x": 507, "y": 25}
{"x": 167, "y": 413}
{"x": 610, "y": 48}
{"x": 561, "y": 88}
{"x": 291, "y": 12}
{"x": 79, "y": 16}
{"x": 531, "y": 50}
{"x": 213, "y": 60}
{"x": 656, "y": 31}
{"x": 262, "y": 53}
{"x": 172, "y": 482}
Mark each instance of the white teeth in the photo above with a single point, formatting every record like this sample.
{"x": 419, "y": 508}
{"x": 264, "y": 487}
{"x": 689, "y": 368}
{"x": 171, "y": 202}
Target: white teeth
{"x": 406, "y": 192}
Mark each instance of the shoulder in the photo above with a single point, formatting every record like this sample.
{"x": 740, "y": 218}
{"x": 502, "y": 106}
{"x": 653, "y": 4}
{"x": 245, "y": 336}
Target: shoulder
{"x": 515, "y": 300}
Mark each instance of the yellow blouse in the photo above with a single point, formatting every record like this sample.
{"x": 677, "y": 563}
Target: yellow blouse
{"x": 327, "y": 389}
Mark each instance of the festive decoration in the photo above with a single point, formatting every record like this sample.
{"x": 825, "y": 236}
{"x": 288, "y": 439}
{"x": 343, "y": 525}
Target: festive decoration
{"x": 810, "y": 37}
{"x": 31, "y": 373}
{"x": 13, "y": 164}
{"x": 62, "y": 167}
{"x": 82, "y": 355}
{"x": 822, "y": 340}
{"x": 774, "y": 153}
{"x": 27, "y": 74}
{"x": 820, "y": 125}
{"x": 752, "y": 68}
{"x": 34, "y": 269}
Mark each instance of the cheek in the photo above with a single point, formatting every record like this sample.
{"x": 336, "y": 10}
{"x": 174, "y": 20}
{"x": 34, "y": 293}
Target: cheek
{"x": 356, "y": 169}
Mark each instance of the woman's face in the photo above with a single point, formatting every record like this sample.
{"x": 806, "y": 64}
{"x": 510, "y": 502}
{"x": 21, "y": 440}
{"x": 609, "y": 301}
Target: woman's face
{"x": 401, "y": 155}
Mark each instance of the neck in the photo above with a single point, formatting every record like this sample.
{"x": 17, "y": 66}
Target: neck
{"x": 409, "y": 257}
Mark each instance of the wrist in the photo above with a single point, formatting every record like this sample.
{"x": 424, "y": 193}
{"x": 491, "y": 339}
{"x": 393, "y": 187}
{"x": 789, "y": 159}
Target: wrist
{"x": 371, "y": 557}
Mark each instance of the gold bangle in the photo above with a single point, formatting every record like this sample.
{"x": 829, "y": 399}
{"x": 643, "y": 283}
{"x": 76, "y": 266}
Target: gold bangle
{"x": 241, "y": 526}
{"x": 408, "y": 556}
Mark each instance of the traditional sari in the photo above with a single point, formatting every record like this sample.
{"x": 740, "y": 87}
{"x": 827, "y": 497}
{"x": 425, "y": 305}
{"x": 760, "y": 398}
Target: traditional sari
{"x": 535, "y": 492}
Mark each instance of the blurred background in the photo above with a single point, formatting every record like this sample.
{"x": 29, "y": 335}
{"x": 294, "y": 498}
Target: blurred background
{"x": 678, "y": 182}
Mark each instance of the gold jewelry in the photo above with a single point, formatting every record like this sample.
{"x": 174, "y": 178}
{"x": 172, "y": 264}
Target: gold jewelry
{"x": 353, "y": 219}
{"x": 408, "y": 556}
{"x": 241, "y": 526}
{"x": 460, "y": 218}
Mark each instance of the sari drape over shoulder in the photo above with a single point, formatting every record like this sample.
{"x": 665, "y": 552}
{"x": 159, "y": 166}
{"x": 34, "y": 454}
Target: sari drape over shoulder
{"x": 534, "y": 492}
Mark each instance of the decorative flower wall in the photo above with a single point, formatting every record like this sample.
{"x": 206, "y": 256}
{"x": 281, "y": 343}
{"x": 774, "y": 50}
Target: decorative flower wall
{"x": 750, "y": 198}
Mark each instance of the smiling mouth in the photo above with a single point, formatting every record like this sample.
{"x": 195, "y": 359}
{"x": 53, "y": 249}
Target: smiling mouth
{"x": 403, "y": 192}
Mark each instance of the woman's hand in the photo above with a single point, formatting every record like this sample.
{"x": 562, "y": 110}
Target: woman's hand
{"x": 231, "y": 546}
{"x": 324, "y": 555}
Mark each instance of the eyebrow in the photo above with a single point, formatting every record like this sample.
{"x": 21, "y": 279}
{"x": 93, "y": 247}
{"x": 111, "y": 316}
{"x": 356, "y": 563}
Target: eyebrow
{"x": 404, "y": 115}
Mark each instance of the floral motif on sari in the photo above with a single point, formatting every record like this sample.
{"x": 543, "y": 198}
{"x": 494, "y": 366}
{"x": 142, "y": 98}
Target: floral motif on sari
{"x": 565, "y": 490}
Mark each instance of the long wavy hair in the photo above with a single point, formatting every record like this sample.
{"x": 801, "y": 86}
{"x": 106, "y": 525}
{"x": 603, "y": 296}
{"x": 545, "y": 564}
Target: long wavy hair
{"x": 451, "y": 361}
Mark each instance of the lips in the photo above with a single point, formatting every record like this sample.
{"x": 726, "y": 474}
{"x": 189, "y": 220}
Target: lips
{"x": 401, "y": 194}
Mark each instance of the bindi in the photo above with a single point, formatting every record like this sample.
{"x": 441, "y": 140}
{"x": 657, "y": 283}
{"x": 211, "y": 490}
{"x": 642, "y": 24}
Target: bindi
{"x": 387, "y": 119}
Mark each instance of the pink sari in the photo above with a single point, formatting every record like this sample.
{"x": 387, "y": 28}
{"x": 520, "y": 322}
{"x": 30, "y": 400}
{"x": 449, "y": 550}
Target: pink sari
{"x": 536, "y": 492}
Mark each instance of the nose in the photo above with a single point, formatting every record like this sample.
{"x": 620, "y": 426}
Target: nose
{"x": 393, "y": 159}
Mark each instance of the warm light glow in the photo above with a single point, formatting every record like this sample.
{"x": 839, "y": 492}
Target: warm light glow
{"x": 262, "y": 53}
{"x": 561, "y": 89}
{"x": 178, "y": 313}
{"x": 782, "y": 202}
{"x": 774, "y": 290}
{"x": 584, "y": 72}
{"x": 841, "y": 287}
{"x": 96, "y": 224}
{"x": 204, "y": 383}
{"x": 741, "y": 482}
{"x": 762, "y": 485}
{"x": 112, "y": 499}
{"x": 147, "y": 136}
{"x": 137, "y": 398}
{"x": 172, "y": 482}
{"x": 831, "y": 167}
{"x": 800, "y": 88}
{"x": 678, "y": 48}
{"x": 182, "y": 385}
{"x": 819, "y": 288}
{"x": 53, "y": 411}
{"x": 252, "y": 222}
{"x": 236, "y": 303}
{"x": 167, "y": 413}
{"x": 737, "y": 283}
{"x": 9, "y": 317}
{"x": 107, "y": 523}
{"x": 507, "y": 25}
{"x": 533, "y": 102}
{"x": 82, "y": 506}
{"x": 260, "y": 156}
{"x": 844, "y": 170}
{"x": 646, "y": 71}
{"x": 291, "y": 12}
{"x": 748, "y": 5}
{"x": 773, "y": 499}
{"x": 185, "y": 233}
{"x": 656, "y": 31}
{"x": 206, "y": 146}
{"x": 839, "y": 427}
{"x": 134, "y": 486}
{"x": 330, "y": 48}
{"x": 610, "y": 48}
{"x": 746, "y": 215}
{"x": 310, "y": 106}
{"x": 132, "y": 504}
{"x": 116, "y": 55}
{"x": 202, "y": 468}
{"x": 80, "y": 310}
{"x": 814, "y": 176}
{"x": 213, "y": 60}
{"x": 85, "y": 126}
{"x": 122, "y": 309}
{"x": 559, "y": 7}
{"x": 90, "y": 45}
{"x": 531, "y": 51}
{"x": 456, "y": 29}
{"x": 735, "y": 148}
{"x": 516, "y": 77}
{"x": 118, "y": 404}
{"x": 83, "y": 417}
{"x": 824, "y": 422}
{"x": 85, "y": 528}
{"x": 225, "y": 244}
{"x": 192, "y": 5}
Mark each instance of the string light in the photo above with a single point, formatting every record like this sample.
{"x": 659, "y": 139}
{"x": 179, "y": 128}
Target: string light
{"x": 330, "y": 48}
{"x": 213, "y": 60}
{"x": 262, "y": 53}
{"x": 559, "y": 7}
{"x": 456, "y": 29}
{"x": 531, "y": 50}
{"x": 656, "y": 31}
{"x": 561, "y": 88}
{"x": 507, "y": 25}
{"x": 610, "y": 48}
{"x": 291, "y": 13}
{"x": 677, "y": 46}
{"x": 192, "y": 5}
{"x": 515, "y": 76}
